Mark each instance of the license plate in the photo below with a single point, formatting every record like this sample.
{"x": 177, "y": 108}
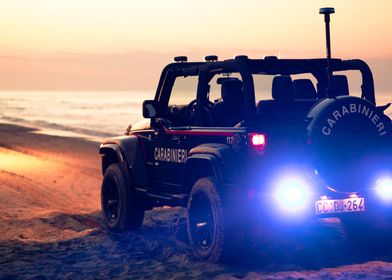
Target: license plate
{"x": 330, "y": 206}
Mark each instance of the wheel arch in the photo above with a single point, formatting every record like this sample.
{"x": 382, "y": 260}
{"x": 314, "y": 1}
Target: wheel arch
{"x": 128, "y": 151}
{"x": 111, "y": 154}
{"x": 198, "y": 166}
{"x": 208, "y": 160}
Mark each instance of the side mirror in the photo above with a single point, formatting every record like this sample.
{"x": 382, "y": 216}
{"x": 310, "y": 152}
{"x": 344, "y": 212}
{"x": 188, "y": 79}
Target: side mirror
{"x": 150, "y": 109}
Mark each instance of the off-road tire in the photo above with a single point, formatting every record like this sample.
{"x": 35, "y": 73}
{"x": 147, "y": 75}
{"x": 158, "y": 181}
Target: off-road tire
{"x": 120, "y": 210}
{"x": 206, "y": 207}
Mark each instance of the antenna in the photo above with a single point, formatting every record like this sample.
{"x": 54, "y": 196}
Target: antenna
{"x": 327, "y": 12}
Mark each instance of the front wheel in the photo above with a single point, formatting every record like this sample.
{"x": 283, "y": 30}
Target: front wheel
{"x": 119, "y": 208}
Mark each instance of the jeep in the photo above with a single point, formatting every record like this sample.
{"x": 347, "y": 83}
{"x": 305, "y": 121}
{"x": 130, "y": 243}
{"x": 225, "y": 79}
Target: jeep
{"x": 245, "y": 140}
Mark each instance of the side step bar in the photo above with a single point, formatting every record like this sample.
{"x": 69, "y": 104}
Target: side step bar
{"x": 160, "y": 198}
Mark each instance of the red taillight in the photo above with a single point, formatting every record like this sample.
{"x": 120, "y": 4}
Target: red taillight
{"x": 257, "y": 141}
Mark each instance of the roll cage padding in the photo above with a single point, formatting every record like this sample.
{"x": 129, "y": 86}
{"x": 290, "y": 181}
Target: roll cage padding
{"x": 127, "y": 149}
{"x": 367, "y": 76}
{"x": 168, "y": 76}
{"x": 247, "y": 67}
{"x": 209, "y": 70}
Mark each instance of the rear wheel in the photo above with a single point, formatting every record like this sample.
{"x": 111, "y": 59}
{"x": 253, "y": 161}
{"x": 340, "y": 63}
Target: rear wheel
{"x": 119, "y": 208}
{"x": 208, "y": 226}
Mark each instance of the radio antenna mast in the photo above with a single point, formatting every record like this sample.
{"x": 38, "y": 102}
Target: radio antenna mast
{"x": 327, "y": 12}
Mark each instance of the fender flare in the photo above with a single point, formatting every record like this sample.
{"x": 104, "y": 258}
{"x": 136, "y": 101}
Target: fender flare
{"x": 105, "y": 149}
{"x": 206, "y": 160}
{"x": 126, "y": 150}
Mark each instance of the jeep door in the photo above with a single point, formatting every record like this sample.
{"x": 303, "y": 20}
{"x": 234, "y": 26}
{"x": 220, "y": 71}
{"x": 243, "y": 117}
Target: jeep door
{"x": 168, "y": 144}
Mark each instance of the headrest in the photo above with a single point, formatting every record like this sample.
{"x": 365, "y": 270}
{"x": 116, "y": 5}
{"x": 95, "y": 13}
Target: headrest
{"x": 339, "y": 85}
{"x": 231, "y": 90}
{"x": 282, "y": 88}
{"x": 304, "y": 89}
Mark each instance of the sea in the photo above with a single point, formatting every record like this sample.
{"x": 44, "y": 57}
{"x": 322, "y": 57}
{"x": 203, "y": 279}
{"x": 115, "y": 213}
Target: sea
{"x": 85, "y": 113}
{"x": 69, "y": 113}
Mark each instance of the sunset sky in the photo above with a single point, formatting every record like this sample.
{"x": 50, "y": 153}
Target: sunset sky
{"x": 123, "y": 45}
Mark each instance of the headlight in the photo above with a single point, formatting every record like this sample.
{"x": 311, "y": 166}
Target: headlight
{"x": 293, "y": 194}
{"x": 384, "y": 188}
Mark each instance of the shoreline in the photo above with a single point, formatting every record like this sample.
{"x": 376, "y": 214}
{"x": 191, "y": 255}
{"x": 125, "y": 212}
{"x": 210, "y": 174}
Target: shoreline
{"x": 51, "y": 131}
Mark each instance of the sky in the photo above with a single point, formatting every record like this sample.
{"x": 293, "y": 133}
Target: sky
{"x": 124, "y": 44}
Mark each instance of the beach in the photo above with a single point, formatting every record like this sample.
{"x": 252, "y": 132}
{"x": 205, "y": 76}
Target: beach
{"x": 50, "y": 227}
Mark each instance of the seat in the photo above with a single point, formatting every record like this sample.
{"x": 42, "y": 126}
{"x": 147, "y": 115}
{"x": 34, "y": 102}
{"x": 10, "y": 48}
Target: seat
{"x": 304, "y": 89}
{"x": 282, "y": 89}
{"x": 230, "y": 110}
{"x": 283, "y": 109}
{"x": 339, "y": 85}
{"x": 282, "y": 94}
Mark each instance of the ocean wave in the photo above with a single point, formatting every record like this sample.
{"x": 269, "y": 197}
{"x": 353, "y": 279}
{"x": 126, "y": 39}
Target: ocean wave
{"x": 41, "y": 124}
{"x": 98, "y": 105}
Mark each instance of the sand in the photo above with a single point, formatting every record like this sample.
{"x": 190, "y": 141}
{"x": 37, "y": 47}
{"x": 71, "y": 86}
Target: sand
{"x": 50, "y": 228}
